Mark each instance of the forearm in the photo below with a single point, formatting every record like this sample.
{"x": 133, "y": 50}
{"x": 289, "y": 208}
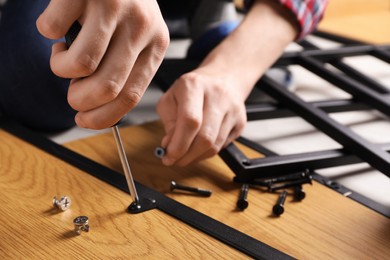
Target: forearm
{"x": 254, "y": 46}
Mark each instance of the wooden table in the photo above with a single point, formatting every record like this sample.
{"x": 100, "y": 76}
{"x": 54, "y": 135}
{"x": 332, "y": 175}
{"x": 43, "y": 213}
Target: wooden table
{"x": 358, "y": 19}
{"x": 324, "y": 225}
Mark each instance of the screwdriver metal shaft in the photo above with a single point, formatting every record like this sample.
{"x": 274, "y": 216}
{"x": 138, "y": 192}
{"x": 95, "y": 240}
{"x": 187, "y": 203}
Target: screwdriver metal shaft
{"x": 125, "y": 164}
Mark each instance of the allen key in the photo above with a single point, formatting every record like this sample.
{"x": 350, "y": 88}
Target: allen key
{"x": 126, "y": 167}
{"x": 136, "y": 206}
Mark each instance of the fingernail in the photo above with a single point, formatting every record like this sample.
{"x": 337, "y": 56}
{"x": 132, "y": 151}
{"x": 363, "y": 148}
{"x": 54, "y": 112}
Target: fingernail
{"x": 168, "y": 161}
{"x": 79, "y": 122}
{"x": 164, "y": 142}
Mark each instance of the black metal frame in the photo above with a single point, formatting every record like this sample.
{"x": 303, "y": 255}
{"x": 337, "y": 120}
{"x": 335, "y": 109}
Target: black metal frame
{"x": 367, "y": 94}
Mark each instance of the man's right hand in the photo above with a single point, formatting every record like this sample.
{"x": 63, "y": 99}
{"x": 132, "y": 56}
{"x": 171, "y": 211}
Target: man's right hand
{"x": 113, "y": 59}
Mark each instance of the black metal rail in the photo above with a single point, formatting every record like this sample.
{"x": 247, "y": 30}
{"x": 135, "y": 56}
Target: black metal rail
{"x": 366, "y": 92}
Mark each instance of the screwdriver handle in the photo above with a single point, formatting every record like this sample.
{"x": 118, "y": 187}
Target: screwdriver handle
{"x": 70, "y": 36}
{"x": 72, "y": 33}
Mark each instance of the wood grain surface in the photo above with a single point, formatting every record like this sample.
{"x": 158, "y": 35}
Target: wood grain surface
{"x": 30, "y": 228}
{"x": 324, "y": 225}
{"x": 359, "y": 19}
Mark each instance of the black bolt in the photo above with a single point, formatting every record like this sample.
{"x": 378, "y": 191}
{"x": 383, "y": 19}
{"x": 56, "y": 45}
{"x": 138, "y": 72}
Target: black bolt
{"x": 242, "y": 202}
{"x": 299, "y": 193}
{"x": 290, "y": 177}
{"x": 255, "y": 182}
{"x": 290, "y": 184}
{"x": 200, "y": 191}
{"x": 278, "y": 208}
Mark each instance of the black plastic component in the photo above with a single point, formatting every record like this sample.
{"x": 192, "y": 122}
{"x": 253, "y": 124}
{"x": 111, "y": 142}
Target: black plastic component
{"x": 72, "y": 33}
{"x": 142, "y": 206}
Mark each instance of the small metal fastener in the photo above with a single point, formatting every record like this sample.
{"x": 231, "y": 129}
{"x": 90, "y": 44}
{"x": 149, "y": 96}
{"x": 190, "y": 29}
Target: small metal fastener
{"x": 63, "y": 203}
{"x": 200, "y": 191}
{"x": 81, "y": 224}
{"x": 159, "y": 152}
{"x": 242, "y": 202}
{"x": 278, "y": 208}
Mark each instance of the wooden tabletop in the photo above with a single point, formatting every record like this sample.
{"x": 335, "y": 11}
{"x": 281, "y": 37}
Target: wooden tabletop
{"x": 324, "y": 225}
{"x": 359, "y": 19}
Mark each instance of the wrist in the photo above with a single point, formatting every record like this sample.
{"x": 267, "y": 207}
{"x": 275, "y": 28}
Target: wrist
{"x": 225, "y": 77}
{"x": 255, "y": 45}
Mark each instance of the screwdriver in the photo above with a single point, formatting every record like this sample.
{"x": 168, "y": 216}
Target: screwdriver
{"x": 69, "y": 38}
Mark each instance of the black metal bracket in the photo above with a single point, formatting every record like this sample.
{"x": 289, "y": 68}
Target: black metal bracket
{"x": 143, "y": 205}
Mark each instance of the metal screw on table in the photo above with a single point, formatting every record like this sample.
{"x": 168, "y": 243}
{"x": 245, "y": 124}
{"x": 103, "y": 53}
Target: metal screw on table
{"x": 278, "y": 208}
{"x": 81, "y": 224}
{"x": 202, "y": 192}
{"x": 159, "y": 152}
{"x": 63, "y": 203}
{"x": 242, "y": 202}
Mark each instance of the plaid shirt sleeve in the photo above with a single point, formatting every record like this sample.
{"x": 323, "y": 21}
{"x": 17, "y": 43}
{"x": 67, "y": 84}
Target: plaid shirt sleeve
{"x": 308, "y": 12}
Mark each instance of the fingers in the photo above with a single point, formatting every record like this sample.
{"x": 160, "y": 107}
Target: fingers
{"x": 211, "y": 135}
{"x": 187, "y": 122}
{"x": 112, "y": 60}
{"x": 194, "y": 133}
{"x": 222, "y": 136}
{"x": 167, "y": 110}
{"x": 54, "y": 26}
{"x": 139, "y": 79}
{"x": 209, "y": 142}
{"x": 88, "y": 49}
{"x": 107, "y": 82}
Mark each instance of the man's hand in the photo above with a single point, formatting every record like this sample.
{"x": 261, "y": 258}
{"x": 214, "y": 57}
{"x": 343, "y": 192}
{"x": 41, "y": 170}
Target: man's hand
{"x": 204, "y": 110}
{"x": 201, "y": 114}
{"x": 114, "y": 57}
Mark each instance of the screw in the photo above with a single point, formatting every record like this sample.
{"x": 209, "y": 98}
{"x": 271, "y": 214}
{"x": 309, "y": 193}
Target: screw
{"x": 299, "y": 193}
{"x": 289, "y": 177}
{"x": 278, "y": 208}
{"x": 202, "y": 192}
{"x": 159, "y": 152}
{"x": 242, "y": 202}
{"x": 63, "y": 203}
{"x": 291, "y": 184}
{"x": 81, "y": 224}
{"x": 256, "y": 182}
